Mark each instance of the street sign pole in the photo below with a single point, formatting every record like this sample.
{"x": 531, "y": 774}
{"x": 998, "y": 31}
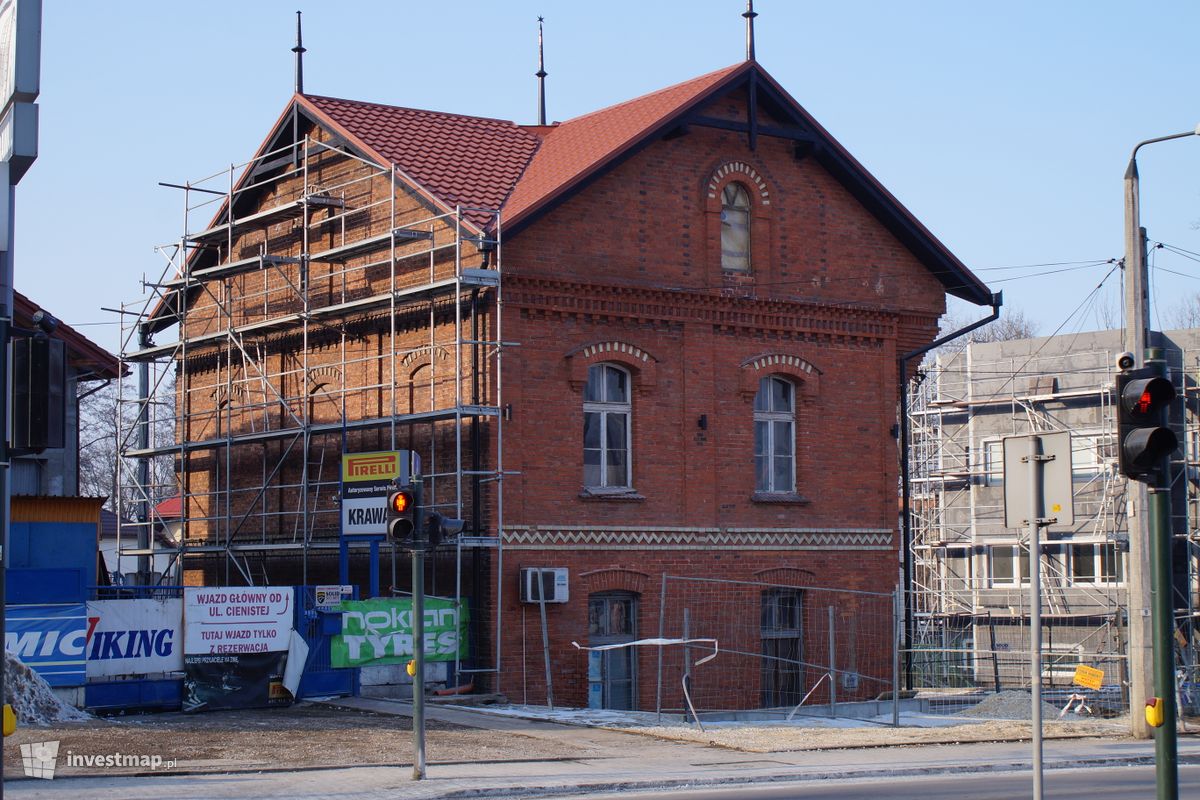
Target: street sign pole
{"x": 1035, "y": 461}
{"x": 1045, "y": 498}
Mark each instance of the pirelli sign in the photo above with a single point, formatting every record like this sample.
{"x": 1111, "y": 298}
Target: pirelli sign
{"x": 366, "y": 480}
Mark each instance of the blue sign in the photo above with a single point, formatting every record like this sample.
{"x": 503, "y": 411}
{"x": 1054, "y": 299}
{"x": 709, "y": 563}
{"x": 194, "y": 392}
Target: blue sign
{"x": 52, "y": 640}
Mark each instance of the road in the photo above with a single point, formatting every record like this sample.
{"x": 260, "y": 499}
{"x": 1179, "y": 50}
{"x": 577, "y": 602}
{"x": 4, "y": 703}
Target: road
{"x": 1096, "y": 783}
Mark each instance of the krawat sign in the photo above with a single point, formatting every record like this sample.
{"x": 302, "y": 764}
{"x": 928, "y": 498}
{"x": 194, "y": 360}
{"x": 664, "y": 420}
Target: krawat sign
{"x": 380, "y": 632}
{"x": 128, "y": 637}
{"x": 233, "y": 620}
{"x": 367, "y": 478}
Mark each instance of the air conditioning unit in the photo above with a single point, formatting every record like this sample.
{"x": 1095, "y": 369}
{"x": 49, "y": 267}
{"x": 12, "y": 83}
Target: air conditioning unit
{"x": 553, "y": 584}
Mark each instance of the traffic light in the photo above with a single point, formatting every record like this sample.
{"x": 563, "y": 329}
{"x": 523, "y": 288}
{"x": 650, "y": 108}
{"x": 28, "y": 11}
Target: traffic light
{"x": 438, "y": 527}
{"x": 402, "y": 514}
{"x": 1143, "y": 438}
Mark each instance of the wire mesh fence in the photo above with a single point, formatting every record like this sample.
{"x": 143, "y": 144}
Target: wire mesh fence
{"x": 779, "y": 648}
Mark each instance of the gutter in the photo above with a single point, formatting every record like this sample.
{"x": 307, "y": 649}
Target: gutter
{"x": 906, "y": 565}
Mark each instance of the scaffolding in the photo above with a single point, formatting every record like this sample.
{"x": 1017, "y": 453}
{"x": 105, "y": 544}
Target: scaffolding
{"x": 970, "y": 574}
{"x": 315, "y": 305}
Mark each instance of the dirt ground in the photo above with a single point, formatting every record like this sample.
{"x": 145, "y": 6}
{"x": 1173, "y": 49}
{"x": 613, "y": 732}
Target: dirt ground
{"x": 313, "y": 735}
{"x": 301, "y": 735}
{"x": 777, "y": 739}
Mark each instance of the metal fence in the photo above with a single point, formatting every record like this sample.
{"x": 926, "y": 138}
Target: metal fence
{"x": 780, "y": 649}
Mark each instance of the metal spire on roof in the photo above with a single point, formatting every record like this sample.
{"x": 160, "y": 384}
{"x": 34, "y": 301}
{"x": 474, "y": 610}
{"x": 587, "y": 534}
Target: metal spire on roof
{"x": 299, "y": 51}
{"x": 749, "y": 14}
{"x": 541, "y": 76}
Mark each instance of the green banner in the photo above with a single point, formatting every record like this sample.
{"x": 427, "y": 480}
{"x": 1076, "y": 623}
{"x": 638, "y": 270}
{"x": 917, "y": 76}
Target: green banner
{"x": 380, "y": 632}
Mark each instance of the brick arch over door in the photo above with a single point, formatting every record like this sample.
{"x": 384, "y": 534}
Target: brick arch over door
{"x": 639, "y": 362}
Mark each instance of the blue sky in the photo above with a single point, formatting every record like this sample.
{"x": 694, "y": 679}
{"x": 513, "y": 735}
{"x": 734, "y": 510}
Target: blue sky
{"x": 1005, "y": 127}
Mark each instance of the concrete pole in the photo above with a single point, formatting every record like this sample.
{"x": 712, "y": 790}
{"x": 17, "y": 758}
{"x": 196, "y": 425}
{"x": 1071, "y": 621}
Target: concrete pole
{"x": 1140, "y": 649}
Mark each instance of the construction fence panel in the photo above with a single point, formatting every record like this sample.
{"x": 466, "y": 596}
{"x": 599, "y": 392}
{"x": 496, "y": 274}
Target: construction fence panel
{"x": 777, "y": 647}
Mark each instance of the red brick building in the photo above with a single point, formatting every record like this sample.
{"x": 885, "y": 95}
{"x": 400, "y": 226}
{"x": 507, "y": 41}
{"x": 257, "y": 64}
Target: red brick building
{"x": 660, "y": 338}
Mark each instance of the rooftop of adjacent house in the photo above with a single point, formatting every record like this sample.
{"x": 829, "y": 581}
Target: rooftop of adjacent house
{"x": 91, "y": 360}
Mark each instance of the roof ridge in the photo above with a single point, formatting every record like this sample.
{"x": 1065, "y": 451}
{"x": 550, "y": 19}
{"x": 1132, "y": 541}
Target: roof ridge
{"x": 673, "y": 87}
{"x": 391, "y": 107}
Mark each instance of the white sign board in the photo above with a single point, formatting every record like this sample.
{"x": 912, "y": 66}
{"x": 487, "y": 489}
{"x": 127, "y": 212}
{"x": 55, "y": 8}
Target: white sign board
{"x": 1057, "y": 499}
{"x": 134, "y": 637}
{"x": 244, "y": 619}
{"x": 329, "y": 597}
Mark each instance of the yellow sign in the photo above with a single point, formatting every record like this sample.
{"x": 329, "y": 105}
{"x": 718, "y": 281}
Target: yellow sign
{"x": 380, "y": 466}
{"x": 10, "y": 720}
{"x": 1089, "y": 677}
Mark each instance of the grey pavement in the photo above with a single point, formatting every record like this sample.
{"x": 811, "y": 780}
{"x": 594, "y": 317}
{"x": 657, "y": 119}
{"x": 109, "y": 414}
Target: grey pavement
{"x": 614, "y": 760}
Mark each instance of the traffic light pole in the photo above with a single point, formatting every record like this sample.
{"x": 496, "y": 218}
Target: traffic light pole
{"x": 418, "y": 628}
{"x": 1165, "y": 757}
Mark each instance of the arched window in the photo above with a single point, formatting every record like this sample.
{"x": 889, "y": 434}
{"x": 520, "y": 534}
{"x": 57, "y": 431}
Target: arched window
{"x": 606, "y": 428}
{"x": 775, "y": 436}
{"x": 735, "y": 227}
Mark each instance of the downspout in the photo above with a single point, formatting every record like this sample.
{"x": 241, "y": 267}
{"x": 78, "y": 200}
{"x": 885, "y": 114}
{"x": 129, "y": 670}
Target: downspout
{"x": 905, "y": 488}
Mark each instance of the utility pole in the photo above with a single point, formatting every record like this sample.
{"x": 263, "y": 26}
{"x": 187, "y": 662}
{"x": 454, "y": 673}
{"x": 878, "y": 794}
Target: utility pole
{"x": 1137, "y": 614}
{"x": 1140, "y": 641}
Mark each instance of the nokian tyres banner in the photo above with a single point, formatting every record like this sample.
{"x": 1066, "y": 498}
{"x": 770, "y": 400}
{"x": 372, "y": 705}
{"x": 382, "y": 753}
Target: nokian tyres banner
{"x": 380, "y": 632}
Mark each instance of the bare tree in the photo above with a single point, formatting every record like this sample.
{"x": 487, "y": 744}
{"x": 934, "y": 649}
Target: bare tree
{"x": 108, "y": 426}
{"x": 1184, "y": 313}
{"x": 1012, "y": 324}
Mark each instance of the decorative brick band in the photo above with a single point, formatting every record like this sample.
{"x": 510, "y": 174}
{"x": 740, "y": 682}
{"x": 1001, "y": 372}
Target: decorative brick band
{"x": 595, "y": 537}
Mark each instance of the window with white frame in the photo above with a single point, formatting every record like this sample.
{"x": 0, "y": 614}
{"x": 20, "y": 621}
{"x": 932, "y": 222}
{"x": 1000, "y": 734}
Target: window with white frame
{"x": 775, "y": 436}
{"x": 993, "y": 462}
{"x": 1004, "y": 561}
{"x": 1096, "y": 563}
{"x": 1089, "y": 452}
{"x": 606, "y": 428}
{"x": 735, "y": 227}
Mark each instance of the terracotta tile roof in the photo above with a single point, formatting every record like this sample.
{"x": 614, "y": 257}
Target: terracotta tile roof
{"x": 459, "y": 160}
{"x": 492, "y": 163}
{"x": 578, "y": 147}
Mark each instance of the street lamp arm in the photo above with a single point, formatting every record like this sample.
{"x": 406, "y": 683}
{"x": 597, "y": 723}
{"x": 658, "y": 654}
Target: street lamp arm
{"x": 1139, "y": 145}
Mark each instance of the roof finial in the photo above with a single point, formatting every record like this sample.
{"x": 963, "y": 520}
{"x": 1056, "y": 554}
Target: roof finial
{"x": 749, "y": 14}
{"x": 541, "y": 76}
{"x": 299, "y": 51}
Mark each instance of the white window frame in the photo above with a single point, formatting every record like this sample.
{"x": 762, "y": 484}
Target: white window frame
{"x": 992, "y": 458}
{"x": 770, "y": 417}
{"x": 607, "y": 409}
{"x": 1098, "y": 578}
{"x": 1020, "y": 566}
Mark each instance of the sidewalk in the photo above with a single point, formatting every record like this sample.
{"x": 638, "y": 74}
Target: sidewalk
{"x": 613, "y": 760}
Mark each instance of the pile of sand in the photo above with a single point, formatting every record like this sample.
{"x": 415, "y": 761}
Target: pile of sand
{"x": 1009, "y": 705}
{"x": 32, "y": 699}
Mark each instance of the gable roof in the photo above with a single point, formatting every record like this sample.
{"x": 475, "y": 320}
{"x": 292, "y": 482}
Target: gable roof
{"x": 526, "y": 170}
{"x": 472, "y": 162}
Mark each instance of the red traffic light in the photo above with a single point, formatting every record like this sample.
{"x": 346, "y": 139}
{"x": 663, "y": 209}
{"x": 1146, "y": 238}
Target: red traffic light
{"x": 400, "y": 502}
{"x": 1145, "y": 396}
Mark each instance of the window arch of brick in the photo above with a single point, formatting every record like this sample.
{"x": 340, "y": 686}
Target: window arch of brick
{"x": 614, "y": 579}
{"x": 786, "y": 576}
{"x": 760, "y": 218}
{"x": 642, "y": 365}
{"x": 803, "y": 374}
